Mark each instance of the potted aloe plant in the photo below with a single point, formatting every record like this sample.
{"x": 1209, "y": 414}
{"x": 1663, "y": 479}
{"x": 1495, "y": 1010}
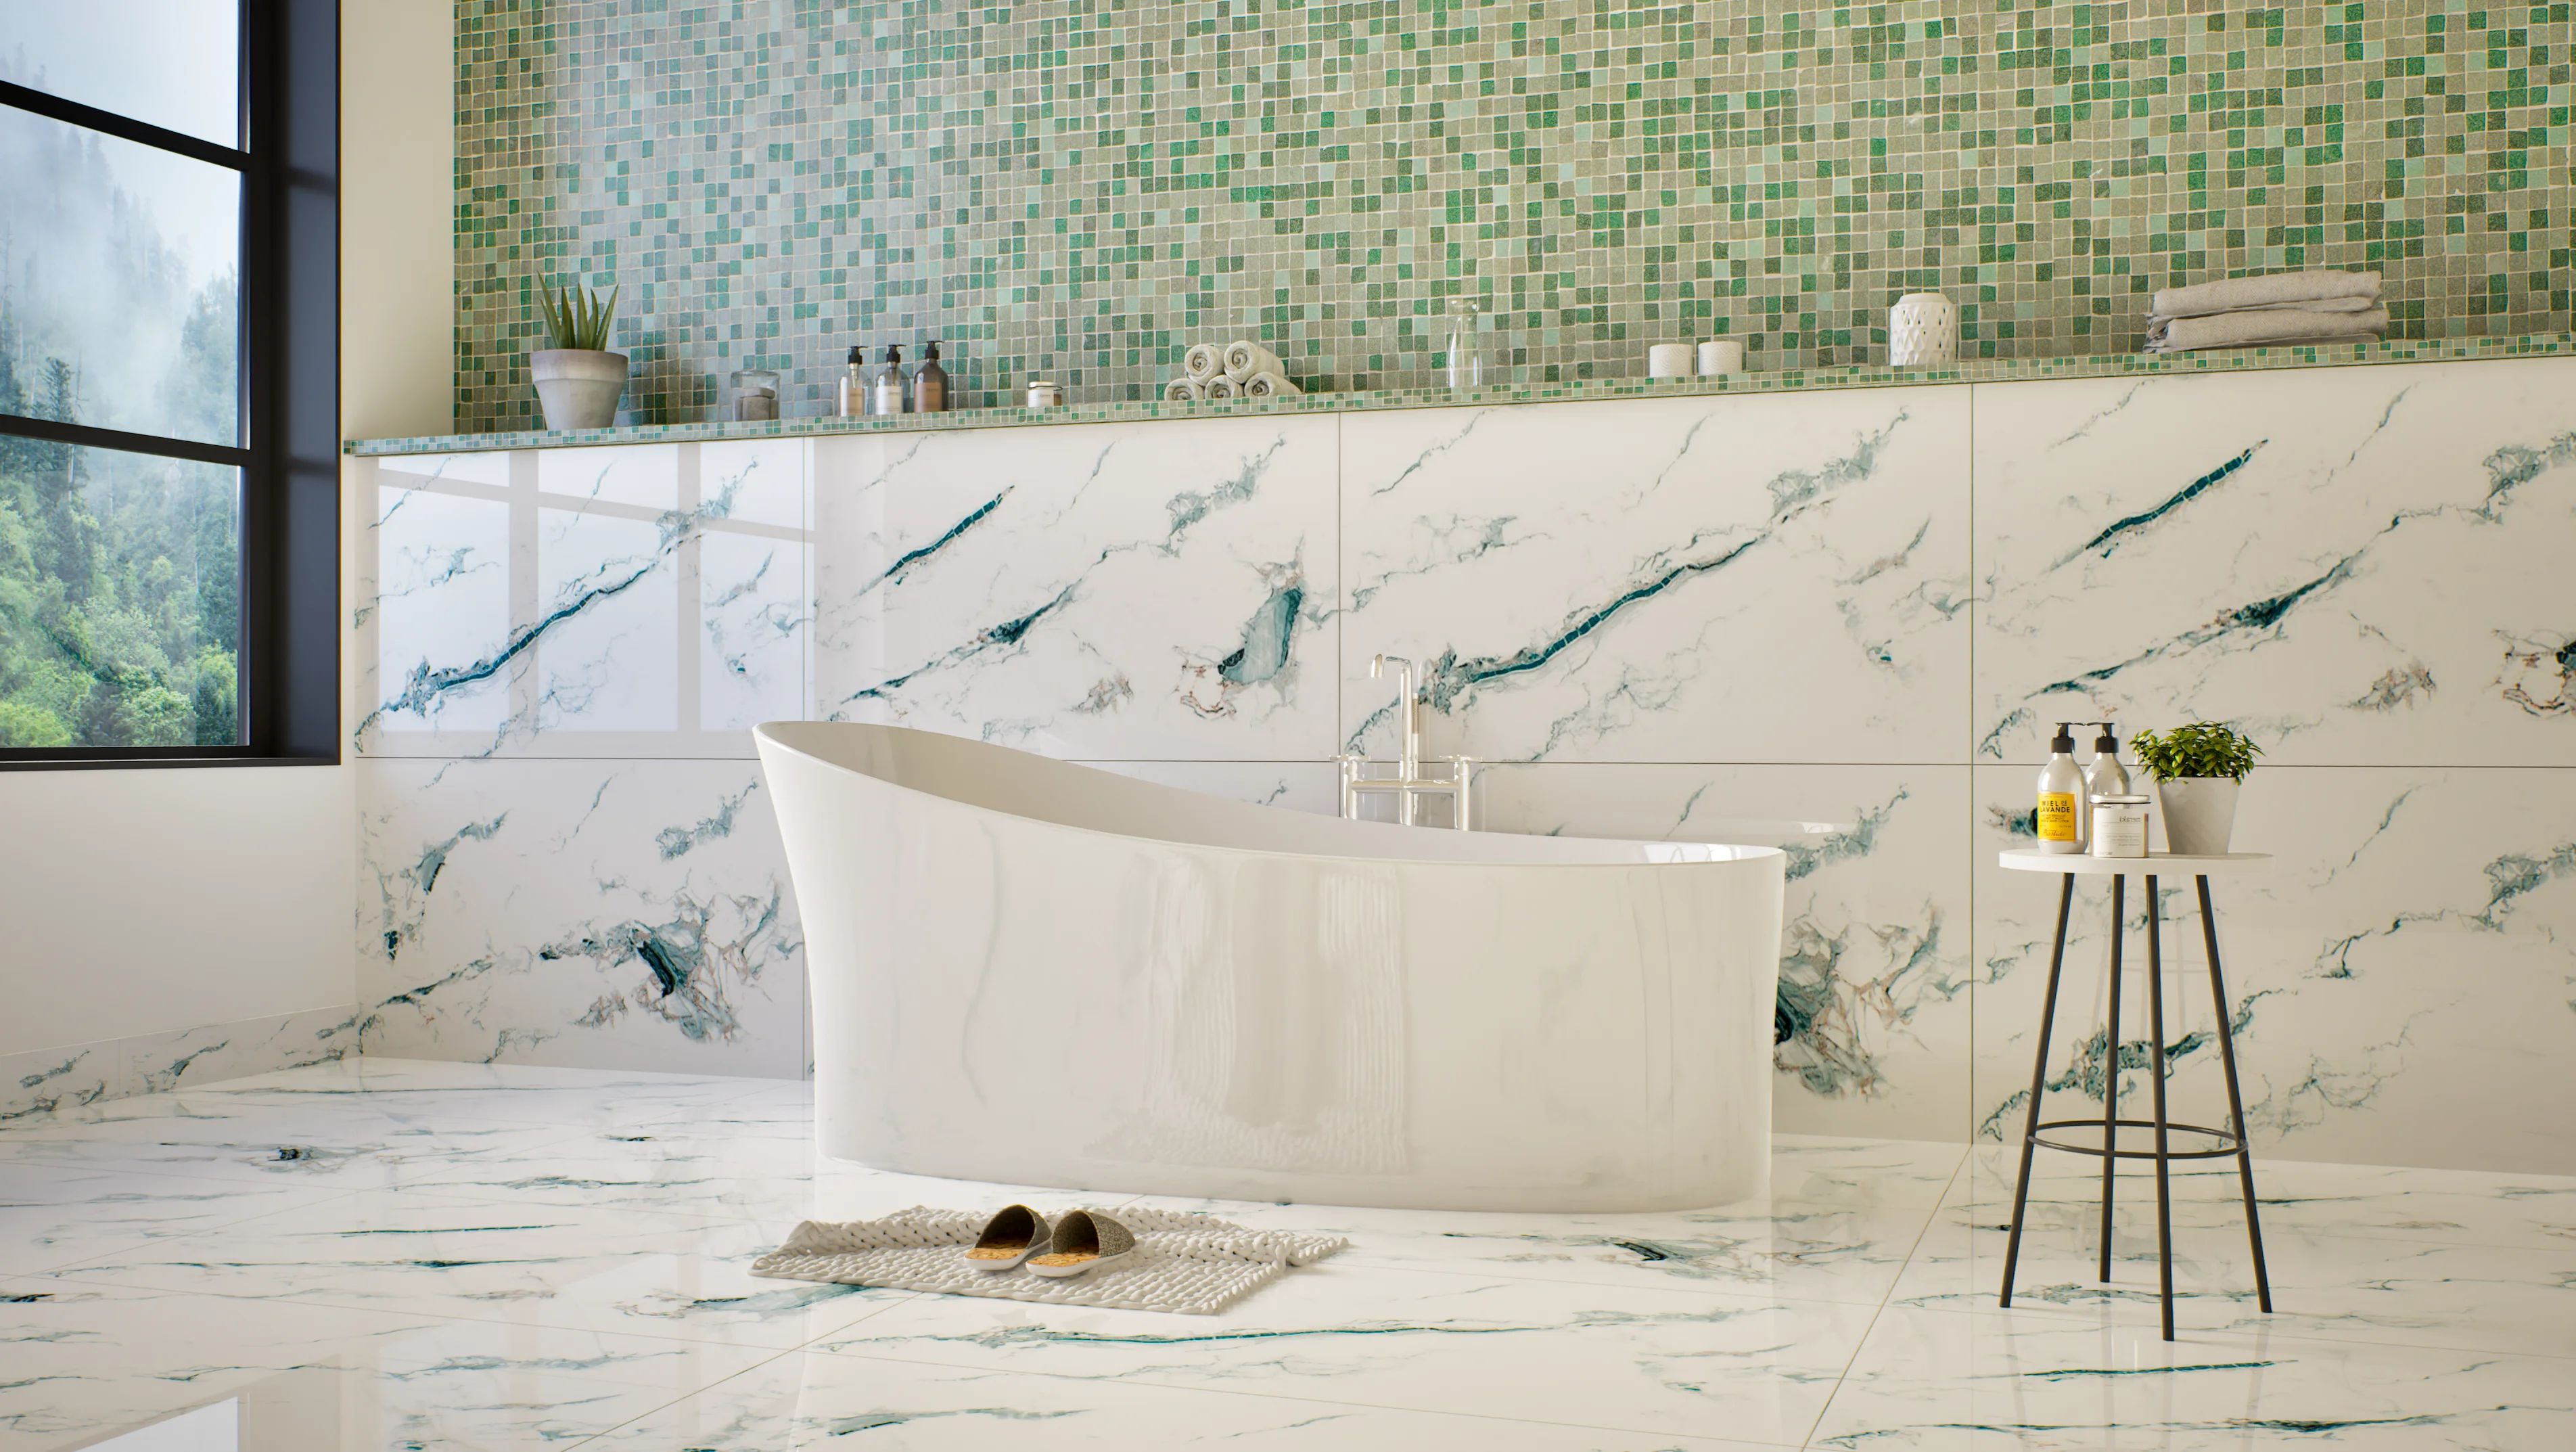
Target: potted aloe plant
{"x": 2198, "y": 769}
{"x": 577, "y": 379}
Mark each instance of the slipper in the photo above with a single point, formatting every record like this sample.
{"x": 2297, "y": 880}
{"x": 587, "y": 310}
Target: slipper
{"x": 1015, "y": 1233}
{"x": 1085, "y": 1240}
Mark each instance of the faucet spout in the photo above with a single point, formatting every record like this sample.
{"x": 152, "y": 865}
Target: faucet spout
{"x": 1408, "y": 785}
{"x": 1409, "y": 707}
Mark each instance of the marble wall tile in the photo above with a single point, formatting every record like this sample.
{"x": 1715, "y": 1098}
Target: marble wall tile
{"x": 438, "y": 599}
{"x": 1703, "y": 579}
{"x": 38, "y": 1085}
{"x": 2362, "y": 568}
{"x": 2402, "y": 978}
{"x": 163, "y": 1062}
{"x": 610, "y": 658}
{"x": 645, "y": 601}
{"x": 41, "y": 1082}
{"x": 1872, "y": 1024}
{"x": 605, "y": 914}
{"x": 1159, "y": 591}
{"x": 1299, "y": 786}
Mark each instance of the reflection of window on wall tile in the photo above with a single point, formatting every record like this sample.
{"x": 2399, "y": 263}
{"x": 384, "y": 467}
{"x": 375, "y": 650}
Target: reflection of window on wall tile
{"x": 532, "y": 602}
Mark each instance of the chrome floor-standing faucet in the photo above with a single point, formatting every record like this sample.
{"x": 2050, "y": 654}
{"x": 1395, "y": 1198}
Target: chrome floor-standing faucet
{"x": 1408, "y": 785}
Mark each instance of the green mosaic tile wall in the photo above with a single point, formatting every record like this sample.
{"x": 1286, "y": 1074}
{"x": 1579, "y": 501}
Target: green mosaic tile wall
{"x": 1079, "y": 189}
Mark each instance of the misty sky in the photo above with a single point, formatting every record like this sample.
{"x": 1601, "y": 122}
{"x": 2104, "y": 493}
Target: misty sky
{"x": 168, "y": 62}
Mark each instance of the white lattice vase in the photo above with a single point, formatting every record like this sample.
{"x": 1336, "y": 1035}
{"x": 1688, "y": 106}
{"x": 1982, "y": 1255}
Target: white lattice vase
{"x": 1922, "y": 328}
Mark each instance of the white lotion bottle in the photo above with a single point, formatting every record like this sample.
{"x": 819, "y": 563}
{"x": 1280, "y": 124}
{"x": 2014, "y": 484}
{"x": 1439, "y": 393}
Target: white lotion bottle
{"x": 2061, "y": 792}
{"x": 2105, "y": 777}
{"x": 889, "y": 395}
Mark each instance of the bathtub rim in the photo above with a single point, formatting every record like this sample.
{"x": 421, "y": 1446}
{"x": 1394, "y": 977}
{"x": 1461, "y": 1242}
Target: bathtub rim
{"x": 765, "y": 738}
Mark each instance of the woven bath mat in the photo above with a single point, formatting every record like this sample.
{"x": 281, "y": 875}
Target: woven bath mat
{"x": 1192, "y": 1264}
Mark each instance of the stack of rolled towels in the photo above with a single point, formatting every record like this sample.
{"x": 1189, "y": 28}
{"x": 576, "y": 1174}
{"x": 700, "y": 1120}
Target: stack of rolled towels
{"x": 2286, "y": 307}
{"x": 1236, "y": 370}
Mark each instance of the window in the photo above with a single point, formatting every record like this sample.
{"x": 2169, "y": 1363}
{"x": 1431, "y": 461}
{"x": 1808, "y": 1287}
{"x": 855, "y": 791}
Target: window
{"x": 168, "y": 382}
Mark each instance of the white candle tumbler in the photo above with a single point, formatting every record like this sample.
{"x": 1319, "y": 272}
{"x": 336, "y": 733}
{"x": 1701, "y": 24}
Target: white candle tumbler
{"x": 1922, "y": 329}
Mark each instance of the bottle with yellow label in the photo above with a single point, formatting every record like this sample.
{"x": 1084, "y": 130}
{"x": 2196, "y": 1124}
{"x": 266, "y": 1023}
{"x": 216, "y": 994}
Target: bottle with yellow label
{"x": 2061, "y": 797}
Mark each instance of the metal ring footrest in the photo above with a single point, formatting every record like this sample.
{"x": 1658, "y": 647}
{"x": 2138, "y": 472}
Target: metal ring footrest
{"x": 2227, "y": 1144}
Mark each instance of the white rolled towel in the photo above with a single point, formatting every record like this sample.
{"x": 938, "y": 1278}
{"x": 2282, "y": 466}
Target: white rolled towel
{"x": 1243, "y": 359}
{"x": 1184, "y": 390}
{"x": 1269, "y": 385}
{"x": 2270, "y": 290}
{"x": 1204, "y": 361}
{"x": 1223, "y": 387}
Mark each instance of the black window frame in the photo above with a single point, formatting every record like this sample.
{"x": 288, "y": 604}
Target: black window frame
{"x": 288, "y": 669}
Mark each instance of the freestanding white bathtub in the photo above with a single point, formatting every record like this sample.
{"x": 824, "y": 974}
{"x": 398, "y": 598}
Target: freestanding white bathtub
{"x": 1044, "y": 974}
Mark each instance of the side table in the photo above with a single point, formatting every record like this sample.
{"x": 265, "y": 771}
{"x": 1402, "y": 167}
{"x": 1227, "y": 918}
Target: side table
{"x": 2230, "y": 1141}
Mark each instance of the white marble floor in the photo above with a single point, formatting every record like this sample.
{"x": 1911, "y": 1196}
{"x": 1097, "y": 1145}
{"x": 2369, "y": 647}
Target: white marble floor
{"x": 441, "y": 1256}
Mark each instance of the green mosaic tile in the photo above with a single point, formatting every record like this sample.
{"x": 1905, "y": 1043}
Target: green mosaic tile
{"x": 1818, "y": 378}
{"x": 1081, "y": 189}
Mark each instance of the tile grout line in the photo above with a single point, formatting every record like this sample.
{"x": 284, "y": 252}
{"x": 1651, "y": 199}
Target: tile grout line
{"x": 1862, "y": 1344}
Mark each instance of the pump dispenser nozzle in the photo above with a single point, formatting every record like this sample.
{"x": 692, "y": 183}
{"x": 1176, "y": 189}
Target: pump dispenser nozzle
{"x": 2064, "y": 740}
{"x": 2105, "y": 744}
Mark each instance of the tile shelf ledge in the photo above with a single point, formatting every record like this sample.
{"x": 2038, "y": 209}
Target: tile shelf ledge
{"x": 1786, "y": 380}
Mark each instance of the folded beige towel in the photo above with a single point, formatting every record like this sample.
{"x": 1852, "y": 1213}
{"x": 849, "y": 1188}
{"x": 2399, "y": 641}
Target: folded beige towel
{"x": 2255, "y": 329}
{"x": 1223, "y": 387}
{"x": 1269, "y": 385}
{"x": 2321, "y": 305}
{"x": 1243, "y": 359}
{"x": 1184, "y": 390}
{"x": 1203, "y": 362}
{"x": 2205, "y": 298}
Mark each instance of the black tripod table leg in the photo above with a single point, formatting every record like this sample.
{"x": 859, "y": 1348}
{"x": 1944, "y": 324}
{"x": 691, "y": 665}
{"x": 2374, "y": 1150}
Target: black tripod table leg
{"x": 2038, "y": 1082}
{"x": 2156, "y": 1078}
{"x": 2235, "y": 1097}
{"x": 2111, "y": 1072}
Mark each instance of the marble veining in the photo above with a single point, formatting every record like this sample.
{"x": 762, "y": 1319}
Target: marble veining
{"x": 1620, "y": 582}
{"x": 692, "y": 948}
{"x": 474, "y": 1256}
{"x": 1130, "y": 592}
{"x": 1832, "y": 621}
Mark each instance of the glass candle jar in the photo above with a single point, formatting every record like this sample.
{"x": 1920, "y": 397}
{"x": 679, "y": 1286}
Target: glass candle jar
{"x": 755, "y": 395}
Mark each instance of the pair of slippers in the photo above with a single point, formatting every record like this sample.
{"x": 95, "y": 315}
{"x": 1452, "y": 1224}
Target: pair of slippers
{"x": 1084, "y": 1240}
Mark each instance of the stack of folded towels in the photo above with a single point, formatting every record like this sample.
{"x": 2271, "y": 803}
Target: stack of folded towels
{"x": 2286, "y": 307}
{"x": 1237, "y": 370}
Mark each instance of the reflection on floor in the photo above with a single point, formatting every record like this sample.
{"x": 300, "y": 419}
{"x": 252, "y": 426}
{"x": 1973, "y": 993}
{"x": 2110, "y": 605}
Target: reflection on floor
{"x": 505, "y": 1258}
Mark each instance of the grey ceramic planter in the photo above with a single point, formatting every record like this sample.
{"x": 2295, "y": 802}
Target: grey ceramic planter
{"x": 579, "y": 387}
{"x": 2200, "y": 813}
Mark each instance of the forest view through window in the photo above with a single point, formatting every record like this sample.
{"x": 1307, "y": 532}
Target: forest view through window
{"x": 121, "y": 325}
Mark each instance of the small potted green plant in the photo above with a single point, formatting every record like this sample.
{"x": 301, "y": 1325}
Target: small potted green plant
{"x": 2198, "y": 770}
{"x": 578, "y": 380}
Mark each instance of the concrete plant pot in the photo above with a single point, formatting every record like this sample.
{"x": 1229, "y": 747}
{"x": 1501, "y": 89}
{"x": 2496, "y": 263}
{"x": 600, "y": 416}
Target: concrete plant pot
{"x": 579, "y": 387}
{"x": 2200, "y": 814}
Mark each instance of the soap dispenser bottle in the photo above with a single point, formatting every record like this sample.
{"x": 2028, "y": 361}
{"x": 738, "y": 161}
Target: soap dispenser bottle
{"x": 887, "y": 395}
{"x": 854, "y": 384}
{"x": 930, "y": 385}
{"x": 2061, "y": 791}
{"x": 2105, "y": 777}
